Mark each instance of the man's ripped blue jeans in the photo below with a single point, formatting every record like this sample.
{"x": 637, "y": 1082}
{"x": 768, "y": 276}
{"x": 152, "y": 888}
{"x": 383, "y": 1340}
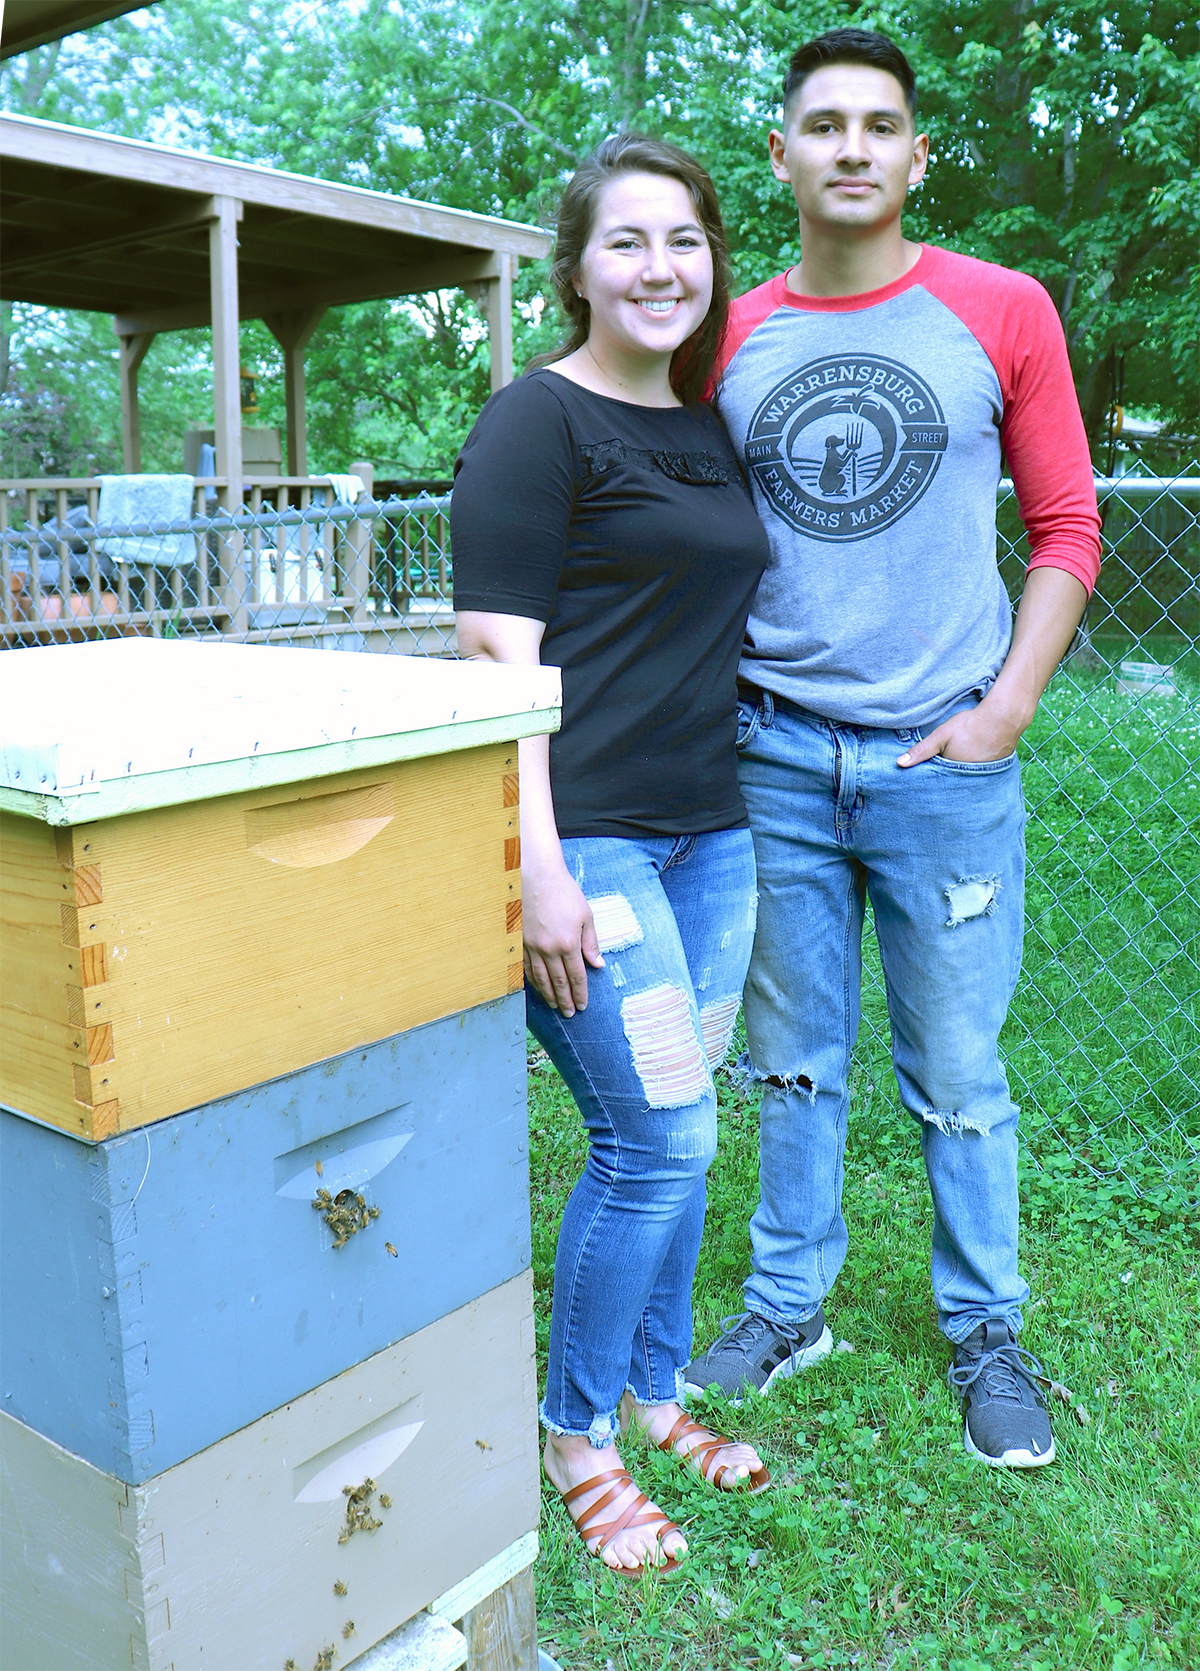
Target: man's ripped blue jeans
{"x": 938, "y": 849}
{"x": 675, "y": 920}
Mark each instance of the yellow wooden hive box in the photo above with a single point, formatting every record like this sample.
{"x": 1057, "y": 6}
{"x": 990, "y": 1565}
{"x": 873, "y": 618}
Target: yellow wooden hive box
{"x": 222, "y": 862}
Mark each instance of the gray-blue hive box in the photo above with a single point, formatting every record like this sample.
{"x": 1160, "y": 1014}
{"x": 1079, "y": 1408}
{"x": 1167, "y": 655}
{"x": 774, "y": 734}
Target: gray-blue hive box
{"x": 166, "y": 1288}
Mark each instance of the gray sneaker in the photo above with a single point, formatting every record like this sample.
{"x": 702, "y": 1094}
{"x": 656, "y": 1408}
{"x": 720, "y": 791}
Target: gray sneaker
{"x": 754, "y": 1353}
{"x": 1007, "y": 1423}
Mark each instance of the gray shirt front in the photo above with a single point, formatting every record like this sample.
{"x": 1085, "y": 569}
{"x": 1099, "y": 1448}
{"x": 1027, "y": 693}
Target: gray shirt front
{"x": 871, "y": 430}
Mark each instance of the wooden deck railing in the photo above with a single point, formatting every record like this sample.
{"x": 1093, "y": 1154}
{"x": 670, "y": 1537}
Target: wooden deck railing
{"x": 289, "y": 566}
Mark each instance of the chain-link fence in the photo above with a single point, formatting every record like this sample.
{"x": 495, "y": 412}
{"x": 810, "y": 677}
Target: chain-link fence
{"x": 1103, "y": 1041}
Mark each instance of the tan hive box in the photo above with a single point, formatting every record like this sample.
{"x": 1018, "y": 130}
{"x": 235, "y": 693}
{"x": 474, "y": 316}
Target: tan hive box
{"x": 228, "y": 1561}
{"x": 223, "y": 862}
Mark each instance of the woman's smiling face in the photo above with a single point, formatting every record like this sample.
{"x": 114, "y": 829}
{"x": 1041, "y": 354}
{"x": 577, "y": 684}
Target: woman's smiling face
{"x": 647, "y": 270}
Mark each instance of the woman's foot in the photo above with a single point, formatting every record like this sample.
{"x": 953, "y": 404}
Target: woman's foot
{"x": 717, "y": 1460}
{"x": 570, "y": 1463}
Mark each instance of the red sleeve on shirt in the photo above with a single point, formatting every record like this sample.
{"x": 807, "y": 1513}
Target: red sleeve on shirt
{"x": 745, "y": 315}
{"x": 1015, "y": 323}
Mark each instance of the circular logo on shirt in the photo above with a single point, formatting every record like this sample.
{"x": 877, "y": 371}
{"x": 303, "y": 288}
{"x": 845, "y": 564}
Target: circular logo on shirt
{"x": 844, "y": 446}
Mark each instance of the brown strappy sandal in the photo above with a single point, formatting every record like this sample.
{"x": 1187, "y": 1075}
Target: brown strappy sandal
{"x": 634, "y": 1516}
{"x": 701, "y": 1455}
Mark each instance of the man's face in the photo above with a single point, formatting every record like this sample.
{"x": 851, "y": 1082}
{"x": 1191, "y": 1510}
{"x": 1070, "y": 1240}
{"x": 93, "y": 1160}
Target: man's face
{"x": 849, "y": 151}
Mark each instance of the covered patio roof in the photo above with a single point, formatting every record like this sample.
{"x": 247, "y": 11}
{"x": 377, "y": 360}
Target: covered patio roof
{"x": 30, "y": 23}
{"x": 164, "y": 239}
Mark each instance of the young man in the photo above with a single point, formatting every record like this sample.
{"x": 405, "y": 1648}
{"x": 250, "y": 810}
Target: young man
{"x": 873, "y": 390}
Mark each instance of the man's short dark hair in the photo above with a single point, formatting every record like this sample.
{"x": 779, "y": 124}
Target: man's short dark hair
{"x": 849, "y": 46}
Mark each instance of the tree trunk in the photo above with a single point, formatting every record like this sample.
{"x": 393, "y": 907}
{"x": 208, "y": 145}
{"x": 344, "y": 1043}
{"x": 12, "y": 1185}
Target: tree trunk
{"x": 1015, "y": 178}
{"x": 5, "y": 334}
{"x": 633, "y": 61}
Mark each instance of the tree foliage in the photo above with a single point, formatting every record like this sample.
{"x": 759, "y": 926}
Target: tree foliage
{"x": 1063, "y": 135}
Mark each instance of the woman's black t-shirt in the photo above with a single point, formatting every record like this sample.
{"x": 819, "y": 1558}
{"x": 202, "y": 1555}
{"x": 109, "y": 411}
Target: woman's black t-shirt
{"x": 628, "y": 530}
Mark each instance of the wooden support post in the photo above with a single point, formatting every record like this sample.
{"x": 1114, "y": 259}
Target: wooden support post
{"x": 365, "y": 471}
{"x": 133, "y": 352}
{"x": 358, "y": 568}
{"x": 295, "y": 415}
{"x": 227, "y": 404}
{"x": 501, "y": 1632}
{"x": 292, "y": 331}
{"x": 499, "y": 306}
{"x": 360, "y": 547}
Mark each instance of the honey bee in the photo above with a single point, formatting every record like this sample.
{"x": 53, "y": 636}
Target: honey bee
{"x": 339, "y": 1589}
{"x": 320, "y": 1170}
{"x": 348, "y": 1629}
{"x": 385, "y": 1502}
{"x": 391, "y": 1250}
{"x": 483, "y": 1444}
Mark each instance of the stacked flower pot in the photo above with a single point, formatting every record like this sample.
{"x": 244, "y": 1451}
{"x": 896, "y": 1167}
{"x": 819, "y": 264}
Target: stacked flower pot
{"x": 266, "y": 1359}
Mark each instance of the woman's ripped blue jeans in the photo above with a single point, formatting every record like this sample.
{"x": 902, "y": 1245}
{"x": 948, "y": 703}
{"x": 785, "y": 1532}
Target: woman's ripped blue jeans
{"x": 675, "y": 918}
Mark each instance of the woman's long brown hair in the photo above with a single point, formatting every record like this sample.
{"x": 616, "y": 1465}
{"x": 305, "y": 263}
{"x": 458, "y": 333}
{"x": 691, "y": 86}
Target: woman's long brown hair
{"x": 634, "y": 153}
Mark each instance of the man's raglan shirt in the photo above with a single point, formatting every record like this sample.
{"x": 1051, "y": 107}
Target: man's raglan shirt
{"x": 872, "y": 429}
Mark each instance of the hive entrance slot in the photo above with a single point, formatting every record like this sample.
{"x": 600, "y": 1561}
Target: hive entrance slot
{"x": 365, "y": 1454}
{"x": 346, "y": 1159}
{"x": 319, "y": 829}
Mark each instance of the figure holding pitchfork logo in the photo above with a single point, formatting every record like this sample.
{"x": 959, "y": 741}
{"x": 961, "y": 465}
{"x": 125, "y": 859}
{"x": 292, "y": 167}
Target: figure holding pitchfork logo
{"x": 839, "y": 454}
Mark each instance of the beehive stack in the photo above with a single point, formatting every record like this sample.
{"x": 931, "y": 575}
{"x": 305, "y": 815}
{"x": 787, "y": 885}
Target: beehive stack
{"x": 267, "y": 1335}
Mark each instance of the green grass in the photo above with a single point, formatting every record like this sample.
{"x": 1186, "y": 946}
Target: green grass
{"x": 882, "y": 1544}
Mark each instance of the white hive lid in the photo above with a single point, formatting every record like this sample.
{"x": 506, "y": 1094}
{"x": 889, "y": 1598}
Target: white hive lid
{"x": 95, "y": 730}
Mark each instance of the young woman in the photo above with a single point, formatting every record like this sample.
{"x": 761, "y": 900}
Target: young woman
{"x": 601, "y": 523}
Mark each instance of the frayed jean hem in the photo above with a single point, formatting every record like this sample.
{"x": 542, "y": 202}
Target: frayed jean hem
{"x": 677, "y": 1397}
{"x": 602, "y": 1432}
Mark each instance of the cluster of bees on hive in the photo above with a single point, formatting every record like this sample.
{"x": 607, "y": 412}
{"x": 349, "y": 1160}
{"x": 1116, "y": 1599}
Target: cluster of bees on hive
{"x": 346, "y": 1213}
{"x": 359, "y": 1518}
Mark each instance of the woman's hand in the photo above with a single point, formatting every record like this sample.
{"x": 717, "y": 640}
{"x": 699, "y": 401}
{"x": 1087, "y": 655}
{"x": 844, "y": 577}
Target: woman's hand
{"x": 560, "y": 936}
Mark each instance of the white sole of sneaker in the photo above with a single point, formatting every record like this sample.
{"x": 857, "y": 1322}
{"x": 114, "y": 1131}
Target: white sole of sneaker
{"x": 1010, "y": 1459}
{"x": 820, "y": 1348}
